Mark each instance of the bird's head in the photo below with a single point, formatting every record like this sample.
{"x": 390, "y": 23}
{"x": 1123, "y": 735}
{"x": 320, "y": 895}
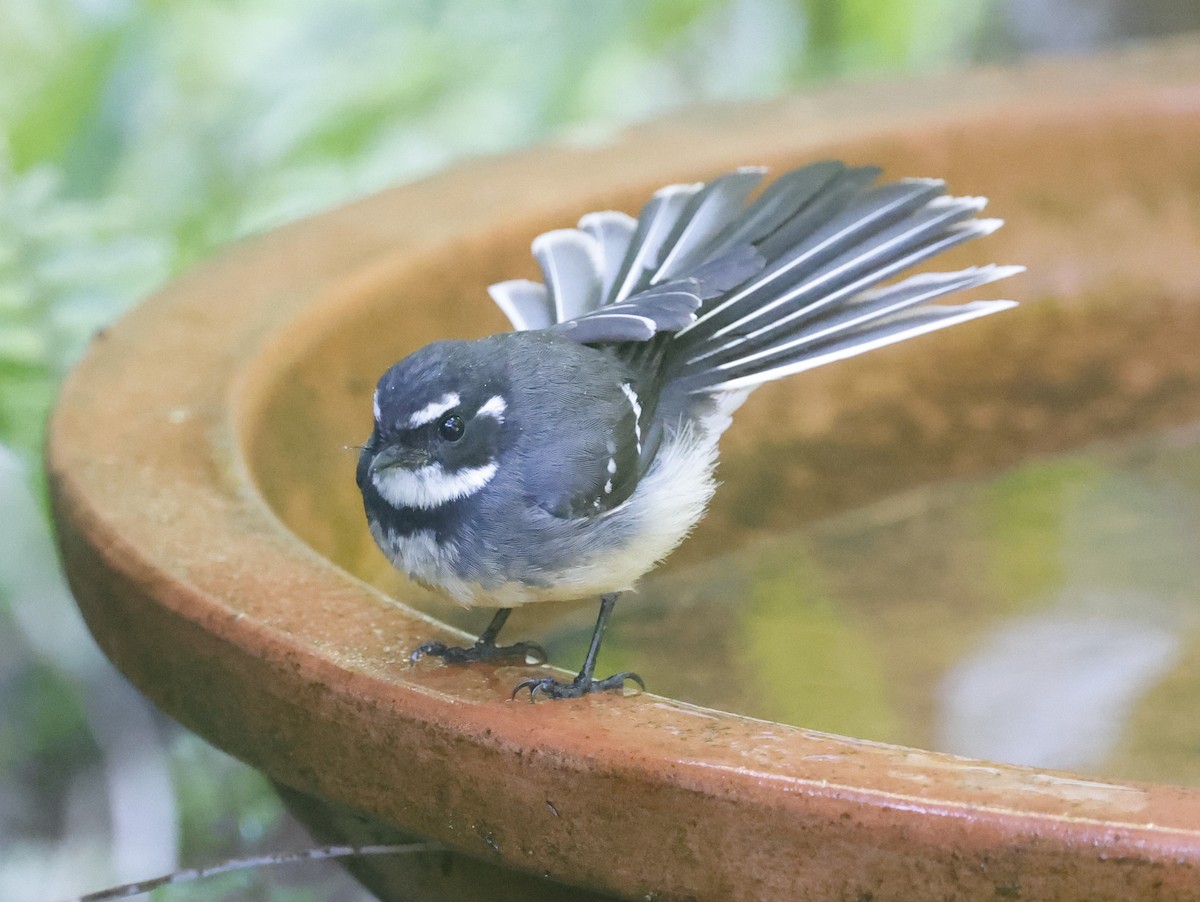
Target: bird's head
{"x": 440, "y": 426}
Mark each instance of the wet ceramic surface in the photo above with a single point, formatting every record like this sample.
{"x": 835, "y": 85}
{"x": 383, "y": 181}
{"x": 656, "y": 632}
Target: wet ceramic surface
{"x": 211, "y": 528}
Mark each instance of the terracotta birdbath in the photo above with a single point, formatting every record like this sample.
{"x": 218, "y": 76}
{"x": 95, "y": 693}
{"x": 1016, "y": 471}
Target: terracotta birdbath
{"x": 209, "y": 522}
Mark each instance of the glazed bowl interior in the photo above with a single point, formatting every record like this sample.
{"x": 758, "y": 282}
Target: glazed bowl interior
{"x": 900, "y": 537}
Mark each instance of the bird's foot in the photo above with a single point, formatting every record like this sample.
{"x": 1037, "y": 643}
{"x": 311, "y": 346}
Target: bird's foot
{"x": 578, "y": 687}
{"x": 526, "y": 652}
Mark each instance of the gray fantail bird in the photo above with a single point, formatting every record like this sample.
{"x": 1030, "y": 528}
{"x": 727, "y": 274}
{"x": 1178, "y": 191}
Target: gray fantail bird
{"x": 565, "y": 459}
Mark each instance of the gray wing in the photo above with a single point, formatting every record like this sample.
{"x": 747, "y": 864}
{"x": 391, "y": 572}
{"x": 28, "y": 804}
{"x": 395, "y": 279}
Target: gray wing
{"x": 587, "y": 471}
{"x": 592, "y": 466}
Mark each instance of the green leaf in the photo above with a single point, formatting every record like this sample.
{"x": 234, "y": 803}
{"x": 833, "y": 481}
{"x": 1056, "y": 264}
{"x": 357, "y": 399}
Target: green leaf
{"x": 67, "y": 103}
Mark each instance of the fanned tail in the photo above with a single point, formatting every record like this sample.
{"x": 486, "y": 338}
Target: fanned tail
{"x": 750, "y": 291}
{"x": 819, "y": 299}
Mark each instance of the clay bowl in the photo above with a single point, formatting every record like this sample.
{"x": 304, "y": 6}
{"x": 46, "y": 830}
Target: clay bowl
{"x": 209, "y": 523}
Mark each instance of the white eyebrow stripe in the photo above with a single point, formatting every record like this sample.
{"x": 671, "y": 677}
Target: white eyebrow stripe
{"x": 430, "y": 486}
{"x": 494, "y": 407}
{"x": 433, "y": 410}
{"x": 375, "y": 405}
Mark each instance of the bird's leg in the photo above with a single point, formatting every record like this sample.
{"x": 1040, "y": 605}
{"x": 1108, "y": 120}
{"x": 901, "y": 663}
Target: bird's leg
{"x": 485, "y": 647}
{"x": 583, "y": 684}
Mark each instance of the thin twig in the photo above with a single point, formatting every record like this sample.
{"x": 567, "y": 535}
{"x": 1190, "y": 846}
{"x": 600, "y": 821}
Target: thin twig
{"x": 238, "y": 864}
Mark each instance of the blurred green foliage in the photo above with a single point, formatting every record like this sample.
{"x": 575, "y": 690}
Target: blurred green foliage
{"x": 852, "y": 37}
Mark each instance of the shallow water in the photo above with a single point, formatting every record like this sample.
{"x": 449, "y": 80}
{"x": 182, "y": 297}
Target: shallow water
{"x": 1049, "y": 615}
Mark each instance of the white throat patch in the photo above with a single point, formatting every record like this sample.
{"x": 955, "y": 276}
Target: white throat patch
{"x": 430, "y": 486}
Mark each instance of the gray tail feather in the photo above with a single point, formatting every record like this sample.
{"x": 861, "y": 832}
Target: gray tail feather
{"x": 758, "y": 291}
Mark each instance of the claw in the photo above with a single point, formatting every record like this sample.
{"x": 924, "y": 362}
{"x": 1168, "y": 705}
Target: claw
{"x": 480, "y": 652}
{"x": 437, "y": 649}
{"x": 577, "y": 688}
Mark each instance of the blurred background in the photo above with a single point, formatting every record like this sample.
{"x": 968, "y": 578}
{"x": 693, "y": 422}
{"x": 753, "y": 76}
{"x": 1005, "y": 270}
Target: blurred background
{"x": 139, "y": 136}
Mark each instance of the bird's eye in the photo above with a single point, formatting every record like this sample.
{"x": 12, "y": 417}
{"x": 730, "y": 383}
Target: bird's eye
{"x": 451, "y": 427}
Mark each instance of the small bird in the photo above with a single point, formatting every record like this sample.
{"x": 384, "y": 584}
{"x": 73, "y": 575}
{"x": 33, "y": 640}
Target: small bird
{"x": 565, "y": 459}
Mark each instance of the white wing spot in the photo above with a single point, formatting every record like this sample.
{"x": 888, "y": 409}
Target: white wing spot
{"x": 612, "y": 466}
{"x": 608, "y": 487}
{"x": 627, "y": 388}
{"x": 433, "y": 410}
